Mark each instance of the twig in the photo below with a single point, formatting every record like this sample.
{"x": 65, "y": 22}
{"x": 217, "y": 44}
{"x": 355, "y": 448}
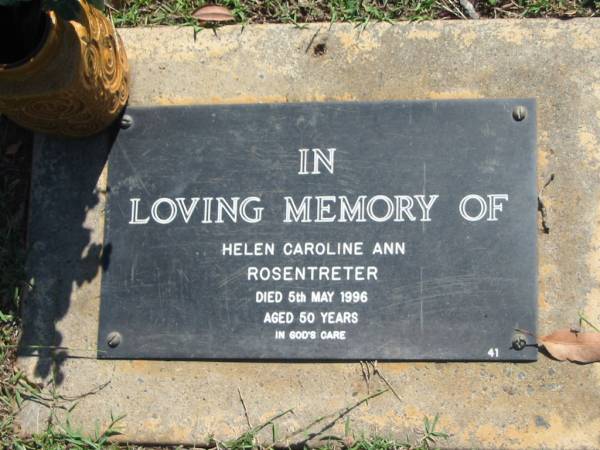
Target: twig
{"x": 470, "y": 10}
{"x": 452, "y": 9}
{"x": 94, "y": 391}
{"x": 337, "y": 414}
{"x": 312, "y": 39}
{"x": 583, "y": 319}
{"x": 66, "y": 398}
{"x": 50, "y": 347}
{"x": 251, "y": 433}
{"x": 378, "y": 372}
{"x": 527, "y": 332}
{"x": 366, "y": 373}
{"x": 271, "y": 420}
{"x": 245, "y": 409}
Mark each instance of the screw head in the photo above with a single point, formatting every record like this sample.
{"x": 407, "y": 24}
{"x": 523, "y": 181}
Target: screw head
{"x": 126, "y": 121}
{"x": 519, "y": 113}
{"x": 519, "y": 341}
{"x": 113, "y": 339}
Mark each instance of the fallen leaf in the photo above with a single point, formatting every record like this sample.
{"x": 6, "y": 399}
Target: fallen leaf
{"x": 213, "y": 13}
{"x": 572, "y": 346}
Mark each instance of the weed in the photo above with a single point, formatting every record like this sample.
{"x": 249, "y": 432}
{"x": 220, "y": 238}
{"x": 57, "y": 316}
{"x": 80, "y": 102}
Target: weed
{"x": 430, "y": 435}
{"x": 427, "y": 439}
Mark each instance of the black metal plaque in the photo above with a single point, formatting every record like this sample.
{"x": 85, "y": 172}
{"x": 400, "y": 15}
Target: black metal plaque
{"x": 330, "y": 231}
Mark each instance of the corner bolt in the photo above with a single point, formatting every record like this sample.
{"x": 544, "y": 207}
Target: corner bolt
{"x": 126, "y": 121}
{"x": 519, "y": 341}
{"x": 113, "y": 339}
{"x": 519, "y": 113}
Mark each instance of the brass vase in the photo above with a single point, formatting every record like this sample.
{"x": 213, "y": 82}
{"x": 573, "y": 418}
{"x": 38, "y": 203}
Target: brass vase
{"x": 75, "y": 85}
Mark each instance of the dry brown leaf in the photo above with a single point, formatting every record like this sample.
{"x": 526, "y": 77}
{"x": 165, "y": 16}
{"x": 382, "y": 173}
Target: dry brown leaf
{"x": 575, "y": 347}
{"x": 213, "y": 13}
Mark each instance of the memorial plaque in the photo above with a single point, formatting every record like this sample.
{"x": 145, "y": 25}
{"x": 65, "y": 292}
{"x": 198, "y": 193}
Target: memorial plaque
{"x": 330, "y": 231}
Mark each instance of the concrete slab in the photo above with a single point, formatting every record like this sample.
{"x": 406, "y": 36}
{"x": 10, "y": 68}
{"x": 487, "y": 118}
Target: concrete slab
{"x": 544, "y": 404}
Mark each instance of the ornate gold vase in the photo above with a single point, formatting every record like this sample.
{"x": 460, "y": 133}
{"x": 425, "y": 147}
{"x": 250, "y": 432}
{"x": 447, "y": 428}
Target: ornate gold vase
{"x": 75, "y": 85}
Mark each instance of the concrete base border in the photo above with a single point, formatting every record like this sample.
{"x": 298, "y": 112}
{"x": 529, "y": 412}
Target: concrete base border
{"x": 544, "y": 404}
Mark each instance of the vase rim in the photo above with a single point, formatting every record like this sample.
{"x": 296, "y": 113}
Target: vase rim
{"x": 50, "y": 23}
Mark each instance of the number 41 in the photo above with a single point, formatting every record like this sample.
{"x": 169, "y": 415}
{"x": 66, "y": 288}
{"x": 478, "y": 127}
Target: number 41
{"x": 493, "y": 352}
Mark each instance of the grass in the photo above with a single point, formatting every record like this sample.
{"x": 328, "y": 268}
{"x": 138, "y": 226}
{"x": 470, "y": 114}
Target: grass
{"x": 427, "y": 438}
{"x": 129, "y": 13}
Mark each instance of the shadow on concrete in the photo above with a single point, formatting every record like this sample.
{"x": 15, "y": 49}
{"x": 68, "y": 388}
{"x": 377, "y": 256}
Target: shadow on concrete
{"x": 61, "y": 255}
{"x": 15, "y": 173}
